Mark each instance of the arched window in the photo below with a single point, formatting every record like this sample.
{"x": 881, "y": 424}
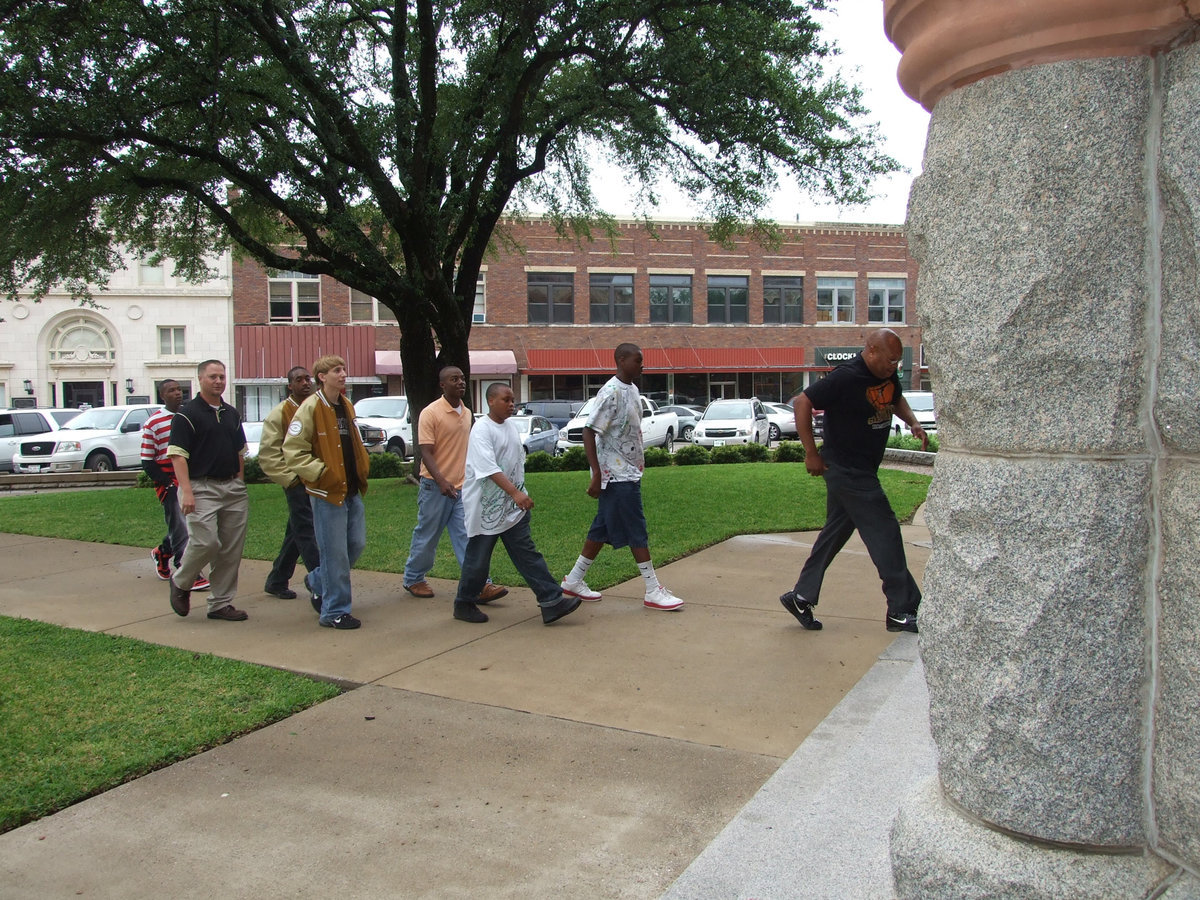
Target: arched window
{"x": 81, "y": 340}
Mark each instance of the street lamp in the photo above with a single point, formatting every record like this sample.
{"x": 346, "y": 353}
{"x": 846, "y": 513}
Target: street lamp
{"x": 129, "y": 385}
{"x": 28, "y": 386}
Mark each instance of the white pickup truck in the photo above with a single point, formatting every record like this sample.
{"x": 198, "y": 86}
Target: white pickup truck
{"x": 659, "y": 428}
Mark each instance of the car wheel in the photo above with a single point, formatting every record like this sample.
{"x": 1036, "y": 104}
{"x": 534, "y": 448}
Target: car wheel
{"x": 396, "y": 448}
{"x": 669, "y": 443}
{"x": 100, "y": 461}
{"x": 687, "y": 432}
{"x": 773, "y": 432}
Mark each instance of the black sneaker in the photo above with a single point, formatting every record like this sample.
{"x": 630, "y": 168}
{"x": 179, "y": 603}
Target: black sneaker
{"x": 902, "y": 622}
{"x": 801, "y": 609}
{"x": 469, "y": 612}
{"x": 563, "y": 607}
{"x": 344, "y": 622}
{"x": 313, "y": 597}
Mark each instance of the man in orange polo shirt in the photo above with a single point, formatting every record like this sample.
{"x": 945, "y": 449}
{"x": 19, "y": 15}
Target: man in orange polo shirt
{"x": 442, "y": 439}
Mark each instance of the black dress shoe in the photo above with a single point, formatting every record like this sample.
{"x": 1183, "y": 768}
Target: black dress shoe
{"x": 469, "y": 612}
{"x": 181, "y": 600}
{"x": 229, "y": 614}
{"x": 285, "y": 594}
{"x": 563, "y": 607}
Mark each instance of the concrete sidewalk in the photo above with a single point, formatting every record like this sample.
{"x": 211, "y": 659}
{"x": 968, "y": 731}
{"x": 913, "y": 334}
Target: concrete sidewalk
{"x": 598, "y": 757}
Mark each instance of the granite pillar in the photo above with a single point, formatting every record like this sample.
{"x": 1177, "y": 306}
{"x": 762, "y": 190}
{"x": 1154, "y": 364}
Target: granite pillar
{"x": 1056, "y": 223}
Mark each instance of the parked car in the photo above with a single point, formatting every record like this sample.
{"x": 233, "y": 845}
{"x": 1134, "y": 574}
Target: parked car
{"x": 253, "y": 432}
{"x": 687, "y": 416}
{"x": 782, "y": 420}
{"x": 559, "y": 412}
{"x": 921, "y": 403}
{"x": 732, "y": 422}
{"x": 372, "y": 437}
{"x": 101, "y": 439}
{"x": 391, "y": 416}
{"x": 537, "y": 433}
{"x": 16, "y": 424}
{"x": 658, "y": 427}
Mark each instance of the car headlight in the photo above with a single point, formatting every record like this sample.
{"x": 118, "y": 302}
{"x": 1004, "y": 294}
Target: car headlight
{"x": 562, "y": 434}
{"x": 69, "y": 446}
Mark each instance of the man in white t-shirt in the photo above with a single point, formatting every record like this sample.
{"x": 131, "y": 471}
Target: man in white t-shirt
{"x": 612, "y": 438}
{"x": 496, "y": 508}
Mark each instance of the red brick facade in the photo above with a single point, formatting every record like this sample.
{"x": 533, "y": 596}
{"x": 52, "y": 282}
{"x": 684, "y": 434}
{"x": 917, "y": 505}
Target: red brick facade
{"x": 861, "y": 252}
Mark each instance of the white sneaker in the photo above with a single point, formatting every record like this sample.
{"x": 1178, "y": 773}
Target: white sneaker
{"x": 581, "y": 590}
{"x": 661, "y": 598}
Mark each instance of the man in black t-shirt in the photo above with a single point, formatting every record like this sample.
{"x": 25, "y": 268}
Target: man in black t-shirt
{"x": 859, "y": 399}
{"x": 206, "y": 450}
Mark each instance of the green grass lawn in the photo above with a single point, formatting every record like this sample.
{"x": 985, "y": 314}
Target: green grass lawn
{"x": 687, "y": 508}
{"x": 82, "y": 712}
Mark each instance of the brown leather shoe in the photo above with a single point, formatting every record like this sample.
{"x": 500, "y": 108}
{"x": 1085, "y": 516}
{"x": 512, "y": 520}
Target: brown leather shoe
{"x": 229, "y": 614}
{"x": 492, "y": 592}
{"x": 181, "y": 600}
{"x": 420, "y": 589}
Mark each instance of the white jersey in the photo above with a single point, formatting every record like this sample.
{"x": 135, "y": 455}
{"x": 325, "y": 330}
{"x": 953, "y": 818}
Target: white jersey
{"x": 616, "y": 418}
{"x": 493, "y": 447}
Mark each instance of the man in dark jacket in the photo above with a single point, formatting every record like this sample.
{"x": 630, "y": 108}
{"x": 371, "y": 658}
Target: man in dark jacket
{"x": 859, "y": 399}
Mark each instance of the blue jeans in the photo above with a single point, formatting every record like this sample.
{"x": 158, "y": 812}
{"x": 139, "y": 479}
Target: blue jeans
{"x": 341, "y": 536}
{"x": 175, "y": 541}
{"x": 518, "y": 543}
{"x": 435, "y": 513}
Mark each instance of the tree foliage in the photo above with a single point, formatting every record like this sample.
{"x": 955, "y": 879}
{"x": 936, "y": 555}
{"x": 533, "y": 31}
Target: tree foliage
{"x": 383, "y": 143}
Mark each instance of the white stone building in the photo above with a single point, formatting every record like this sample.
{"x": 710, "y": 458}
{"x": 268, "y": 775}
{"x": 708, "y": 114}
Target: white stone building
{"x": 147, "y": 326}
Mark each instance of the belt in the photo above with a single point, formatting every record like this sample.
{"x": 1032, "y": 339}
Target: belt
{"x": 219, "y": 478}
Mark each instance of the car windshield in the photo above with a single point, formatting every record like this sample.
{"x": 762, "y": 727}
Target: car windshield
{"x": 728, "y": 411}
{"x": 100, "y": 418}
{"x": 384, "y": 407}
{"x": 253, "y": 431}
{"x": 586, "y": 409}
{"x": 521, "y": 423}
{"x": 920, "y": 402}
{"x": 63, "y": 416}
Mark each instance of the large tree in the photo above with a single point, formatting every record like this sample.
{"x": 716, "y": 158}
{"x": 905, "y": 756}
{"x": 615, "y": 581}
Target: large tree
{"x": 381, "y": 144}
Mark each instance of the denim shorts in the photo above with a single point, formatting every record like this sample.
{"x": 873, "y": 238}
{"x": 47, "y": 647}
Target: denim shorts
{"x": 619, "y": 518}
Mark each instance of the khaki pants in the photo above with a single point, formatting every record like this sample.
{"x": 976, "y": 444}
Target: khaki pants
{"x": 216, "y": 532}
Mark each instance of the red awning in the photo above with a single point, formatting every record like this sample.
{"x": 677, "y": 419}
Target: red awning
{"x": 268, "y": 351}
{"x": 674, "y": 359}
{"x": 483, "y": 362}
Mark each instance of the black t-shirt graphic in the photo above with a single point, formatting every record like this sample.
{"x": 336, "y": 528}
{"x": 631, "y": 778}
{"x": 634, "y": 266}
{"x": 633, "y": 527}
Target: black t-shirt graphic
{"x": 858, "y": 414}
{"x": 344, "y": 427}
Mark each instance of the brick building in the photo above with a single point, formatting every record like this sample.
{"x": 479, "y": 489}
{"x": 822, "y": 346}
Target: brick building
{"x": 713, "y": 321}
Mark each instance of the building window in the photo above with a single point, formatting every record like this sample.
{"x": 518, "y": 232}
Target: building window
{"x": 365, "y": 308}
{"x": 885, "y": 301}
{"x": 295, "y": 297}
{"x": 170, "y": 341}
{"x": 728, "y": 299}
{"x": 670, "y": 298}
{"x": 551, "y": 298}
{"x": 254, "y": 401}
{"x": 783, "y": 299}
{"x": 835, "y": 300}
{"x": 479, "y": 310}
{"x": 82, "y": 340}
{"x": 150, "y": 275}
{"x": 611, "y": 299}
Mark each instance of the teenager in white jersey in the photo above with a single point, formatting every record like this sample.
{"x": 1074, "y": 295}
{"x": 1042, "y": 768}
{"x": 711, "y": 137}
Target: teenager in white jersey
{"x": 496, "y": 508}
{"x": 612, "y": 438}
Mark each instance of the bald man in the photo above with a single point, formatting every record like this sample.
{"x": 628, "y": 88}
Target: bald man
{"x": 859, "y": 399}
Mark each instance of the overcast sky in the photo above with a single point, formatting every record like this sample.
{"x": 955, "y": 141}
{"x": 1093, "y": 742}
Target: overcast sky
{"x": 856, "y": 26}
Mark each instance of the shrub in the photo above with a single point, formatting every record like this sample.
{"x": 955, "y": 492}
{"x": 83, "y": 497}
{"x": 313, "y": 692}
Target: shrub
{"x": 908, "y": 442}
{"x": 254, "y": 472}
{"x": 574, "y": 460}
{"x": 729, "y": 454}
{"x": 657, "y": 456}
{"x": 143, "y": 480}
{"x": 692, "y": 455}
{"x": 756, "y": 452}
{"x": 790, "y": 451}
{"x": 386, "y": 465}
{"x": 540, "y": 461}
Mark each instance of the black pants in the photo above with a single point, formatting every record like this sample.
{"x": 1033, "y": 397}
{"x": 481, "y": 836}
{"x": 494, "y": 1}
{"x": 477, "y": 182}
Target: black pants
{"x": 299, "y": 540}
{"x": 855, "y": 500}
